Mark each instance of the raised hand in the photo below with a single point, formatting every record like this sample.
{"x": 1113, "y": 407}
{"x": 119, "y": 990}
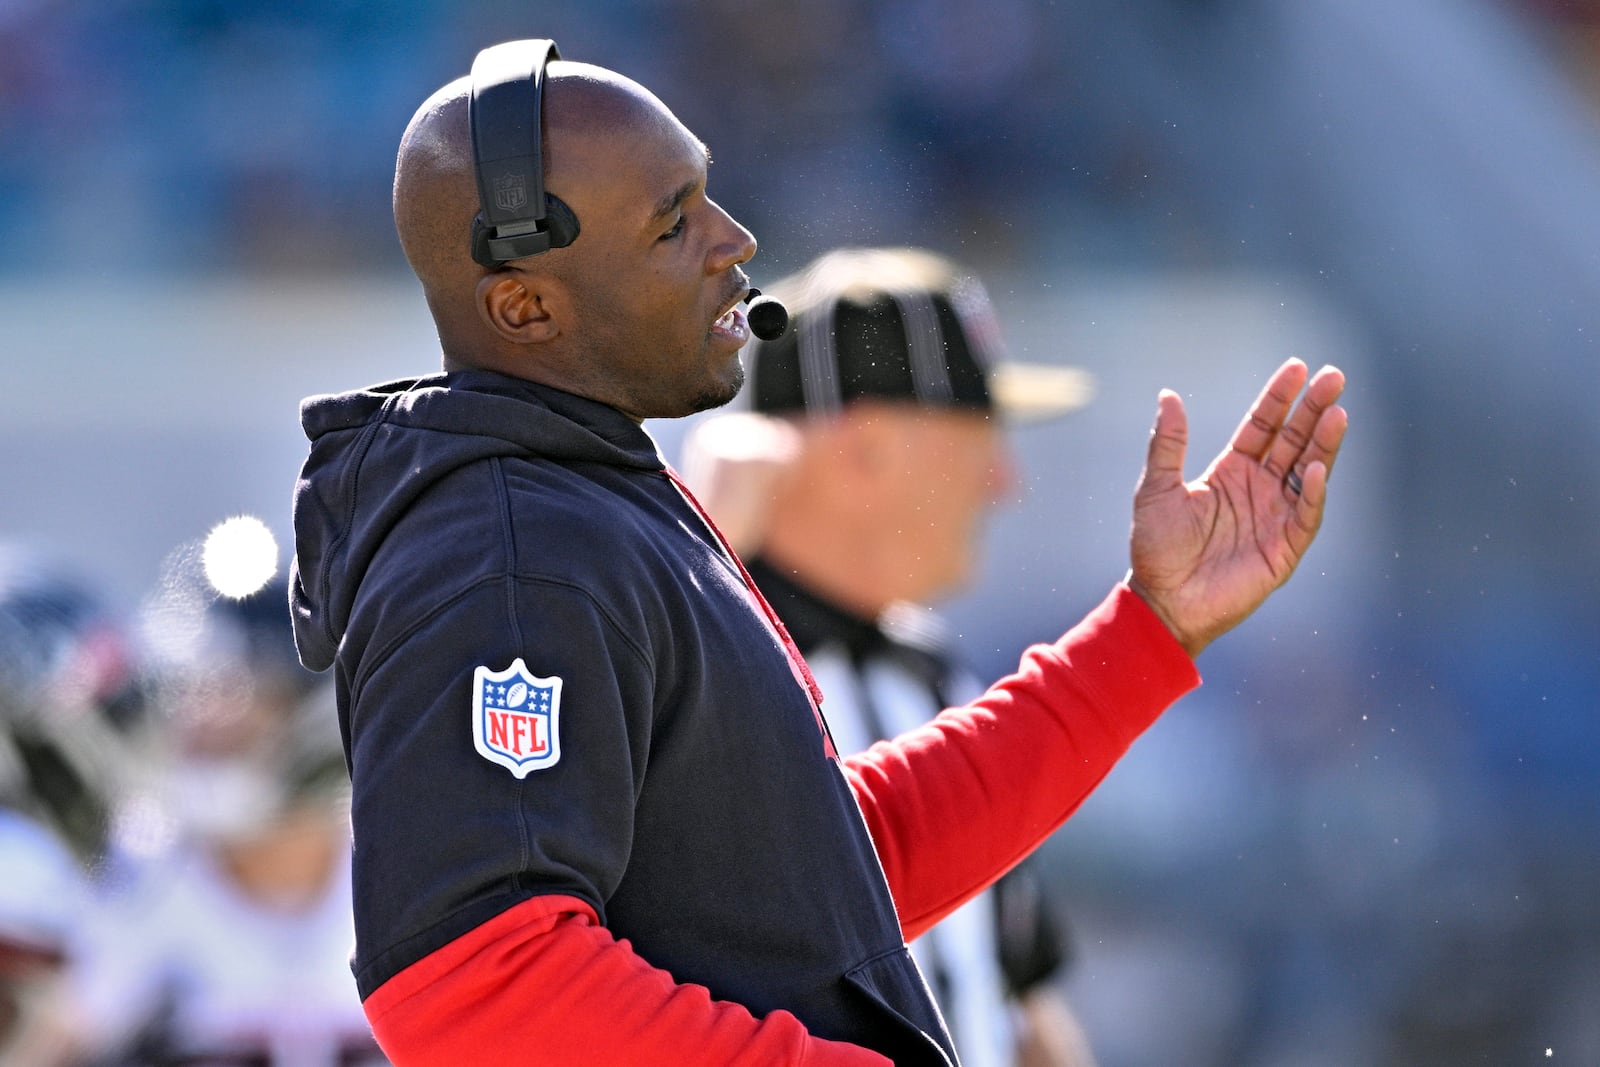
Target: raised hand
{"x": 1207, "y": 553}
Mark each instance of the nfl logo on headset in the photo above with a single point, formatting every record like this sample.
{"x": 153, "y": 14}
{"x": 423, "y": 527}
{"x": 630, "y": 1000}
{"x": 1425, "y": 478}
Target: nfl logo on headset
{"x": 510, "y": 191}
{"x": 516, "y": 718}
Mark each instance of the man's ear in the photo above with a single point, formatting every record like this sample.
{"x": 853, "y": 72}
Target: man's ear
{"x": 519, "y": 306}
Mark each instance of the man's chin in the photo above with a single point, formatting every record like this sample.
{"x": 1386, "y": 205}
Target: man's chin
{"x": 723, "y": 393}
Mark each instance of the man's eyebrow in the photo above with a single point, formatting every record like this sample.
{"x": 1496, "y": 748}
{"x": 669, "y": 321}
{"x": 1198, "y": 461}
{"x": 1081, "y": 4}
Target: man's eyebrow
{"x": 670, "y": 203}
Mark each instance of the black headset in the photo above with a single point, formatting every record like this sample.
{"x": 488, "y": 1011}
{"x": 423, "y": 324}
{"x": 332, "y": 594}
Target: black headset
{"x": 518, "y": 218}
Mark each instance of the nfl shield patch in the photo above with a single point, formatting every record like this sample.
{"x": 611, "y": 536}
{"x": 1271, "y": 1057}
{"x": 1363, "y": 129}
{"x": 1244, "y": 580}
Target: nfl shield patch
{"x": 516, "y": 718}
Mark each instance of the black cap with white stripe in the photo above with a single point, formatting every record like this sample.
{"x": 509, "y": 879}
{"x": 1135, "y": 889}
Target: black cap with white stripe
{"x": 898, "y": 324}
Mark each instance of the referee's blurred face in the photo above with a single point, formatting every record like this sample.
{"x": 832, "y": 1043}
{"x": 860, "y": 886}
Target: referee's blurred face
{"x": 940, "y": 472}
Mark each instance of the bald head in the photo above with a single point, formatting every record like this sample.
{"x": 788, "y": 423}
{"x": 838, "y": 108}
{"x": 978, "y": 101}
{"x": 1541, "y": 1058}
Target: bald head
{"x": 638, "y": 312}
{"x": 587, "y": 112}
{"x": 434, "y": 190}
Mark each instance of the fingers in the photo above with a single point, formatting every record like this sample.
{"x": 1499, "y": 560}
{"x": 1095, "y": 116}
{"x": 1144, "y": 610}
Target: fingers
{"x": 1313, "y": 432}
{"x": 1286, "y": 437}
{"x": 1169, "y": 441}
{"x": 1307, "y": 479}
{"x": 1265, "y": 420}
{"x": 1326, "y": 438}
{"x": 1306, "y": 518}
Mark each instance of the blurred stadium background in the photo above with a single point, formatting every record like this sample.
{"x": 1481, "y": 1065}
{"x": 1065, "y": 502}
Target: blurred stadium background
{"x": 1374, "y": 836}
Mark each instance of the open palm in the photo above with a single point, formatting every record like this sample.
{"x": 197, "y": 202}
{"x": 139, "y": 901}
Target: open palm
{"x": 1207, "y": 553}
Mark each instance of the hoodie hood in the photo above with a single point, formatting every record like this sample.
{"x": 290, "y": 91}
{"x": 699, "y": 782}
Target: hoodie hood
{"x": 374, "y": 451}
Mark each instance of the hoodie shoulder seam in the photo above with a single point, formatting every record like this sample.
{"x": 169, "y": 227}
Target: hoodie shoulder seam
{"x": 382, "y": 655}
{"x": 508, "y": 540}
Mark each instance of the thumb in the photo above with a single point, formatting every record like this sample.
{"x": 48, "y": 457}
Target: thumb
{"x": 1169, "y": 441}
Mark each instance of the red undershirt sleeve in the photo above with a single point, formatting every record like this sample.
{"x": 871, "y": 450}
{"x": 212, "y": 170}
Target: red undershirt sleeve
{"x": 955, "y": 803}
{"x": 543, "y": 982}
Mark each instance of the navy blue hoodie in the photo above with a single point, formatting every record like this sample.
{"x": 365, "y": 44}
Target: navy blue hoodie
{"x": 450, "y": 526}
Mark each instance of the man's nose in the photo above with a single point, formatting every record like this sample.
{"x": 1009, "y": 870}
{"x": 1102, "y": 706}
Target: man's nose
{"x": 737, "y": 246}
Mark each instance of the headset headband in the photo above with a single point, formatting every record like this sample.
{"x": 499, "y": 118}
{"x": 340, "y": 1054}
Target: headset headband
{"x": 518, "y": 218}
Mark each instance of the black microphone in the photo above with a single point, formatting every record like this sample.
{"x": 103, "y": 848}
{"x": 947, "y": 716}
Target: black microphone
{"x": 767, "y": 317}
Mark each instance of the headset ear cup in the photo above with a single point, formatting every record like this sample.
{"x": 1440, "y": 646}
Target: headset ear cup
{"x": 480, "y": 243}
{"x": 560, "y": 221}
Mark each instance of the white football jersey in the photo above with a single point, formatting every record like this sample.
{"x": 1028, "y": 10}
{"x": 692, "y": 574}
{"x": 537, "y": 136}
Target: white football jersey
{"x": 189, "y": 965}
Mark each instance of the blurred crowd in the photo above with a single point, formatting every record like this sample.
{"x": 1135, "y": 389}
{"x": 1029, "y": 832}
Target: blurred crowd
{"x": 1376, "y": 847}
{"x": 173, "y": 802}
{"x": 196, "y": 135}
